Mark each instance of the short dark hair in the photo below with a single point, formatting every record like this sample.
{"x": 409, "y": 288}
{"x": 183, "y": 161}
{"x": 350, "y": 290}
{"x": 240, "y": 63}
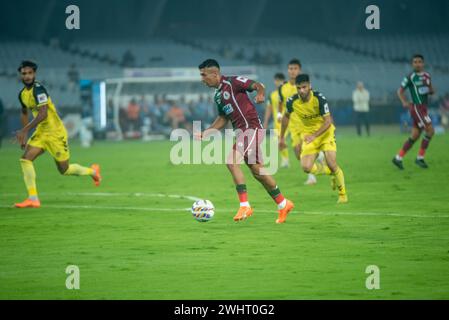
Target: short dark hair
{"x": 208, "y": 63}
{"x": 302, "y": 78}
{"x": 279, "y": 76}
{"x": 27, "y": 63}
{"x": 295, "y": 61}
{"x": 418, "y": 55}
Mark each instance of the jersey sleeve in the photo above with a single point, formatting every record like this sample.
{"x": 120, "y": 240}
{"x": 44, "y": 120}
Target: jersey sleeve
{"x": 40, "y": 95}
{"x": 21, "y": 102}
{"x": 290, "y": 102}
{"x": 405, "y": 82}
{"x": 242, "y": 84}
{"x": 281, "y": 97}
{"x": 323, "y": 105}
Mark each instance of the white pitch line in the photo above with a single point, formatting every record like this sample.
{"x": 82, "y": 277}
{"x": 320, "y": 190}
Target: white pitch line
{"x": 114, "y": 194}
{"x": 150, "y": 209}
{"x": 193, "y": 198}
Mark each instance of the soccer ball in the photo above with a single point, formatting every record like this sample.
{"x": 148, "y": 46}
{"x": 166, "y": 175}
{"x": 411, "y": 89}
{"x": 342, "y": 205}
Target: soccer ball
{"x": 203, "y": 210}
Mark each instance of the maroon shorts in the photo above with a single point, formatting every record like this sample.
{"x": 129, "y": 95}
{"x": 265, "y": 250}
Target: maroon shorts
{"x": 248, "y": 143}
{"x": 420, "y": 116}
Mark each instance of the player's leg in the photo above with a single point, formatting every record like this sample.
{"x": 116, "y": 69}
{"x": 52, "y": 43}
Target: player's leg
{"x": 408, "y": 144}
{"x": 331, "y": 159}
{"x": 233, "y": 162}
{"x": 429, "y": 132}
{"x": 268, "y": 182}
{"x": 29, "y": 176}
{"x": 57, "y": 146}
{"x": 297, "y": 146}
{"x": 285, "y": 162}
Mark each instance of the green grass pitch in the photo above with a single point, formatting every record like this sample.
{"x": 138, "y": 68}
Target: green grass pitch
{"x": 132, "y": 238}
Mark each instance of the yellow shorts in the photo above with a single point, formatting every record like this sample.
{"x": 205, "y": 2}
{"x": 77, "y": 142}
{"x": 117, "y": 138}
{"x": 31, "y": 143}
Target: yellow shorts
{"x": 55, "y": 144}
{"x": 325, "y": 142}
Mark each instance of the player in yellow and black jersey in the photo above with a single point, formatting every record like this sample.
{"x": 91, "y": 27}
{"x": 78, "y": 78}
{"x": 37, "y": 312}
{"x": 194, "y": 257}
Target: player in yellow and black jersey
{"x": 317, "y": 132}
{"x": 49, "y": 135}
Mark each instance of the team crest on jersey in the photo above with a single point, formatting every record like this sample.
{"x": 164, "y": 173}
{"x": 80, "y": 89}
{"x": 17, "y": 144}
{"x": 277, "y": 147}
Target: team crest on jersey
{"x": 228, "y": 109}
{"x": 226, "y": 95}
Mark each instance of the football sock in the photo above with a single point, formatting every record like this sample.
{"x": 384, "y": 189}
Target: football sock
{"x": 77, "y": 170}
{"x": 424, "y": 145}
{"x": 320, "y": 168}
{"x": 340, "y": 179}
{"x": 29, "y": 176}
{"x": 406, "y": 147}
{"x": 278, "y": 198}
{"x": 243, "y": 195}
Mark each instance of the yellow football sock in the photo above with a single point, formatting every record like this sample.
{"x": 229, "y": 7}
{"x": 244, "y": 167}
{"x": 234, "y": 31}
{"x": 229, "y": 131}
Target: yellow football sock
{"x": 29, "y": 176}
{"x": 77, "y": 170}
{"x": 320, "y": 169}
{"x": 284, "y": 154}
{"x": 340, "y": 179}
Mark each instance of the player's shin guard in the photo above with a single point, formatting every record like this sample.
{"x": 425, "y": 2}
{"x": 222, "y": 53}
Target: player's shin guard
{"x": 320, "y": 169}
{"x": 278, "y": 198}
{"x": 77, "y": 170}
{"x": 243, "y": 195}
{"x": 340, "y": 179}
{"x": 406, "y": 147}
{"x": 29, "y": 176}
{"x": 424, "y": 145}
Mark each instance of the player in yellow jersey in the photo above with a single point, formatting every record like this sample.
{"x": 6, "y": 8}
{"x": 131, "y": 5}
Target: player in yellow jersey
{"x": 318, "y": 132}
{"x": 50, "y": 135}
{"x": 287, "y": 90}
{"x": 272, "y": 110}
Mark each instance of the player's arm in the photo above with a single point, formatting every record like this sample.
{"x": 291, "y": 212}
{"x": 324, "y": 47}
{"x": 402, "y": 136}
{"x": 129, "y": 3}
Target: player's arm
{"x": 24, "y": 116}
{"x": 267, "y": 114}
{"x": 431, "y": 88}
{"x": 285, "y": 121}
{"x": 326, "y": 124}
{"x": 280, "y": 104}
{"x": 218, "y": 124}
{"x": 243, "y": 84}
{"x": 260, "y": 88}
{"x": 401, "y": 92}
{"x": 22, "y": 134}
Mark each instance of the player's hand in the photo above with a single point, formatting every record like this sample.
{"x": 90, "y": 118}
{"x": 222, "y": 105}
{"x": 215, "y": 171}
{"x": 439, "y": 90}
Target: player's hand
{"x": 21, "y": 136}
{"x": 198, "y": 136}
{"x": 260, "y": 98}
{"x": 282, "y": 144}
{"x": 407, "y": 105}
{"x": 279, "y": 116}
{"x": 309, "y": 139}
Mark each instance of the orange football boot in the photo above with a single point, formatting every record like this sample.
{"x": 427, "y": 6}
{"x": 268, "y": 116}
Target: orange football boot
{"x": 283, "y": 213}
{"x": 243, "y": 213}
{"x": 97, "y": 176}
{"x": 28, "y": 203}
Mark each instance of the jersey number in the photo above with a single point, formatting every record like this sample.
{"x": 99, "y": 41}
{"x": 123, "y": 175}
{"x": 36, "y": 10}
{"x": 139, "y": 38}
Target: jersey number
{"x": 242, "y": 79}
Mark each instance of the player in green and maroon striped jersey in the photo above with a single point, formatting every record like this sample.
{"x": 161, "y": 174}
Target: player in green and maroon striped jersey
{"x": 420, "y": 86}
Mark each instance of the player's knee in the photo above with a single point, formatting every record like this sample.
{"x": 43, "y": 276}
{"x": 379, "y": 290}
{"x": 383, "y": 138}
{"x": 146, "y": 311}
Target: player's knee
{"x": 63, "y": 169}
{"x": 333, "y": 167}
{"x": 307, "y": 167}
{"x": 430, "y": 131}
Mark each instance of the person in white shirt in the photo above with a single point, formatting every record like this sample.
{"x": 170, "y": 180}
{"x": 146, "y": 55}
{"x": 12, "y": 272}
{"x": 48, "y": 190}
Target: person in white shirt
{"x": 360, "y": 99}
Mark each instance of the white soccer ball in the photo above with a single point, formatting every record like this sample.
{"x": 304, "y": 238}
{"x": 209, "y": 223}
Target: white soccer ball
{"x": 203, "y": 210}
